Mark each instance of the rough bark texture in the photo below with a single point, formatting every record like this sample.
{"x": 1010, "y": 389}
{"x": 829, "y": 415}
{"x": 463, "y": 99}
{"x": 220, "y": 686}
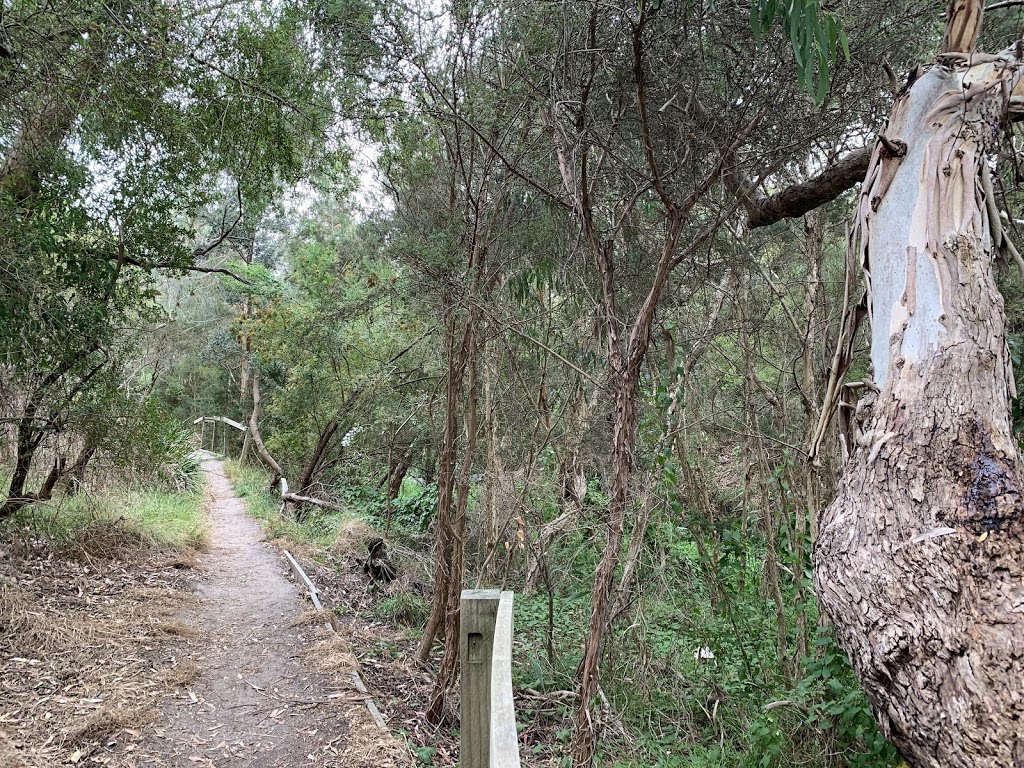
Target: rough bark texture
{"x": 457, "y": 357}
{"x": 920, "y": 560}
{"x": 448, "y": 671}
{"x": 963, "y": 26}
{"x": 800, "y": 198}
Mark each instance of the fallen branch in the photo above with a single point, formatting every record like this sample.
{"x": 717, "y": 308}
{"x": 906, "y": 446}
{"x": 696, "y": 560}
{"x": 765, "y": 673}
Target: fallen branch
{"x": 297, "y": 499}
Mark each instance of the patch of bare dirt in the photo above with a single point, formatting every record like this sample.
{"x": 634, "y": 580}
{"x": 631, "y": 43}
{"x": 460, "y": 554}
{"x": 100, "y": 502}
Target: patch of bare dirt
{"x": 113, "y": 655}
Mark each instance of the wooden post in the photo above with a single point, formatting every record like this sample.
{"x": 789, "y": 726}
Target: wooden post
{"x": 202, "y": 432}
{"x": 479, "y": 611}
{"x": 224, "y": 440}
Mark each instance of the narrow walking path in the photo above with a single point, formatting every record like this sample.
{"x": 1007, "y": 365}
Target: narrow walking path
{"x": 251, "y": 702}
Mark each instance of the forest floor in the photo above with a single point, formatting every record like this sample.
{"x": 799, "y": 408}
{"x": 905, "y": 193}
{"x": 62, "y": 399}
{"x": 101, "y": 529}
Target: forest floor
{"x": 110, "y": 659}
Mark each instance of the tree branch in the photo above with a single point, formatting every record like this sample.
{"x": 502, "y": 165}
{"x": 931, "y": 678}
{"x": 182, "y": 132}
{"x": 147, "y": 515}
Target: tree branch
{"x": 963, "y": 23}
{"x": 795, "y": 200}
{"x": 798, "y": 199}
{"x": 188, "y": 268}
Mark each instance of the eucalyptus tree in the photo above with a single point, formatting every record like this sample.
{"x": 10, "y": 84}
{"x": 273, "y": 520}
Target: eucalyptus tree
{"x": 463, "y": 263}
{"x": 644, "y": 130}
{"x": 335, "y": 337}
{"x": 640, "y": 167}
{"x": 918, "y": 561}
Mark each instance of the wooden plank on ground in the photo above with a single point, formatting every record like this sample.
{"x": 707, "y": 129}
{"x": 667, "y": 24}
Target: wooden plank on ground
{"x": 301, "y": 575}
{"x": 370, "y": 705}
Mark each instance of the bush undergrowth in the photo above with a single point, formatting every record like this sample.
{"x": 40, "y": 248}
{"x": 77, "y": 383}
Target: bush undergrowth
{"x": 251, "y": 484}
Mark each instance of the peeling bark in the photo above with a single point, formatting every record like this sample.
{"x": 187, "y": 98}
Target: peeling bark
{"x": 458, "y": 355}
{"x": 448, "y": 671}
{"x": 920, "y": 559}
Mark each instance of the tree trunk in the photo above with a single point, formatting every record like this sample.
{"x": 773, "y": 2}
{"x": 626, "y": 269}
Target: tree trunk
{"x": 397, "y": 472}
{"x": 254, "y": 430}
{"x": 450, "y": 662}
{"x": 625, "y": 370}
{"x": 316, "y": 459}
{"x": 29, "y": 435}
{"x": 445, "y": 486}
{"x": 573, "y": 482}
{"x": 75, "y": 474}
{"x": 495, "y": 468}
{"x": 920, "y": 559}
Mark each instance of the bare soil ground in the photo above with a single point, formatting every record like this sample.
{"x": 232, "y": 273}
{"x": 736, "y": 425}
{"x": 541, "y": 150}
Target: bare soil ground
{"x": 134, "y": 659}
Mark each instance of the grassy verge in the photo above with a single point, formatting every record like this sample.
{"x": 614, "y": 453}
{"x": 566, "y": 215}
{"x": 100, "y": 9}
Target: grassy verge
{"x": 155, "y": 519}
{"x": 250, "y": 483}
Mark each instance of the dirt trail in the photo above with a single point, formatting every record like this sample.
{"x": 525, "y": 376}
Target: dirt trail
{"x": 253, "y": 703}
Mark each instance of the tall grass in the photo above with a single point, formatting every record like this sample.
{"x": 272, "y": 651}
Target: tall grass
{"x": 155, "y": 518}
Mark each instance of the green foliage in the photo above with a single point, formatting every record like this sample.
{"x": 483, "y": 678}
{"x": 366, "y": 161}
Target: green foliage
{"x": 838, "y": 705}
{"x": 174, "y": 520}
{"x": 817, "y": 39}
{"x": 403, "y": 608}
{"x": 250, "y": 483}
{"x": 146, "y": 439}
{"x": 417, "y": 508}
{"x": 532, "y": 668}
{"x": 156, "y": 518}
{"x": 827, "y": 702}
{"x": 425, "y": 755}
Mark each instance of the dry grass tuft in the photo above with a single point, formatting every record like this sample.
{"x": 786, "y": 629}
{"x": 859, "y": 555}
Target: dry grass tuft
{"x": 183, "y": 561}
{"x": 182, "y": 675}
{"x": 332, "y": 655}
{"x": 103, "y": 724}
{"x": 311, "y": 617}
{"x": 106, "y": 539}
{"x": 366, "y": 746}
{"x": 351, "y": 538}
{"x": 174, "y": 628}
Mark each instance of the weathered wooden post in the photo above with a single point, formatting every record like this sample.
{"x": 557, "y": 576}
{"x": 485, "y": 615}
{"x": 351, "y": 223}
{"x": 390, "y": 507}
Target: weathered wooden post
{"x": 476, "y": 643}
{"x": 504, "y": 752}
{"x": 202, "y": 431}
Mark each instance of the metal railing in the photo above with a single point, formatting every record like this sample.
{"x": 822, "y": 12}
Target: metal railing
{"x": 202, "y": 421}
